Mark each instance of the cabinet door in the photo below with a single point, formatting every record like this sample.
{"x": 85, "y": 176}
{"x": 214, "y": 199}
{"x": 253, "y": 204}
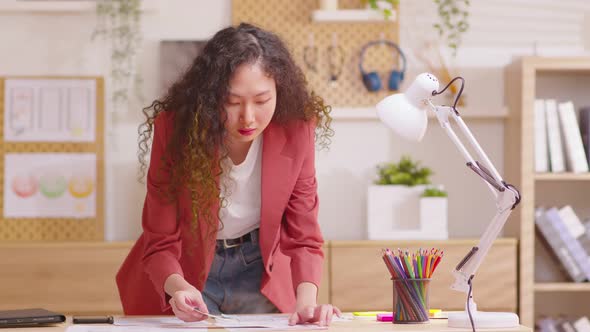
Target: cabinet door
{"x": 360, "y": 280}
{"x": 71, "y": 278}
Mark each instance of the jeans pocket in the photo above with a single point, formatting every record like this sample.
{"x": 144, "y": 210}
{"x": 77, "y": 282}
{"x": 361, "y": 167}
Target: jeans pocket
{"x": 250, "y": 253}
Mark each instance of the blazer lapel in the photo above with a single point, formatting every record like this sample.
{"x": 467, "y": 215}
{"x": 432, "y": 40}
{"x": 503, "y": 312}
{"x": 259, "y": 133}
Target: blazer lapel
{"x": 275, "y": 178}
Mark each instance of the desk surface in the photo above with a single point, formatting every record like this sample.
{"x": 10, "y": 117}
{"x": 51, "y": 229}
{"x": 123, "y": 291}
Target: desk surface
{"x": 435, "y": 325}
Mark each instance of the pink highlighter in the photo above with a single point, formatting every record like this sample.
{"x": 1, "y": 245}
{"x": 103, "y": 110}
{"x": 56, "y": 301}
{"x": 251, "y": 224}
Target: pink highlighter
{"x": 388, "y": 317}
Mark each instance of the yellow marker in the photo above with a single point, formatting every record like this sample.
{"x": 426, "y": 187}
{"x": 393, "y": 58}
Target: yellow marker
{"x": 435, "y": 313}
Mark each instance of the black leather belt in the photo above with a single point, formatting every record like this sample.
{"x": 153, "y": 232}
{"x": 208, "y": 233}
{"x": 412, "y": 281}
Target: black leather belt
{"x": 231, "y": 243}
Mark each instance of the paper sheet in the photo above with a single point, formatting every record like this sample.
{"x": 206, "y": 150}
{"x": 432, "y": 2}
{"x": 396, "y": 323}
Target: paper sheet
{"x": 49, "y": 110}
{"x": 52, "y": 185}
{"x": 162, "y": 322}
{"x": 244, "y": 323}
{"x": 113, "y": 328}
{"x": 240, "y": 323}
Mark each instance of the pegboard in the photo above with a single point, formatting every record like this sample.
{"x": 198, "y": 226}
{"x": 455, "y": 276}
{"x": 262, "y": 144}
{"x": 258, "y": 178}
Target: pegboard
{"x": 292, "y": 21}
{"x": 46, "y": 228}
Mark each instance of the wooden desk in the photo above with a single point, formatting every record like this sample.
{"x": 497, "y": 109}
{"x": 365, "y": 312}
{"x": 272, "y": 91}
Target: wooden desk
{"x": 435, "y": 325}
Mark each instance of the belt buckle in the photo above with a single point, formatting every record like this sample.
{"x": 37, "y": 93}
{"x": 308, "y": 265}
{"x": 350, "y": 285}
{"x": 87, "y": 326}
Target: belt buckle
{"x": 227, "y": 245}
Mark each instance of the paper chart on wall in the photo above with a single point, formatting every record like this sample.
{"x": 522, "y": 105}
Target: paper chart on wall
{"x": 52, "y": 185}
{"x": 49, "y": 110}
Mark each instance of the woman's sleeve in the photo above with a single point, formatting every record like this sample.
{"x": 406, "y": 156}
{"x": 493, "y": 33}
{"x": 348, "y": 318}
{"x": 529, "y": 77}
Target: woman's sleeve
{"x": 161, "y": 229}
{"x": 301, "y": 237}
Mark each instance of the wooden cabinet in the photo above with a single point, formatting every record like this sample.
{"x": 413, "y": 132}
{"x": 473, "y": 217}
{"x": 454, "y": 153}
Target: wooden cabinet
{"x": 359, "y": 279}
{"x": 71, "y": 278}
{"x": 79, "y": 278}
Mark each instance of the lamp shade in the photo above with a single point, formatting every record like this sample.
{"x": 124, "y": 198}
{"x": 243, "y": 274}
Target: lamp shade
{"x": 405, "y": 113}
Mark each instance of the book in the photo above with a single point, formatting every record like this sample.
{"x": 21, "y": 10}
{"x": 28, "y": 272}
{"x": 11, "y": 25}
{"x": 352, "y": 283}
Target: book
{"x": 574, "y": 148}
{"x": 541, "y": 148}
{"x": 585, "y": 130}
{"x": 546, "y": 324}
{"x": 576, "y": 228}
{"x": 582, "y": 324}
{"x": 556, "y": 158}
{"x": 572, "y": 221}
{"x": 567, "y": 326}
{"x": 550, "y": 236}
{"x": 574, "y": 247}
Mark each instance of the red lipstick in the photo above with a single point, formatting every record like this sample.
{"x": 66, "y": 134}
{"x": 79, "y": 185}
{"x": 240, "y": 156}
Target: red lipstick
{"x": 246, "y": 132}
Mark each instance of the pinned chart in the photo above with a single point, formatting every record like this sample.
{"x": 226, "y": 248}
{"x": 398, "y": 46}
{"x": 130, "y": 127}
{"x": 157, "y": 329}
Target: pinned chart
{"x": 49, "y": 185}
{"x": 50, "y": 110}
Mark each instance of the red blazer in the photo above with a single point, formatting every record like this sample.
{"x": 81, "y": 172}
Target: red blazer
{"x": 290, "y": 237}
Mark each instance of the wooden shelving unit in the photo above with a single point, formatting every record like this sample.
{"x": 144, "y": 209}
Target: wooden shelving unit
{"x": 349, "y": 15}
{"x": 526, "y": 79}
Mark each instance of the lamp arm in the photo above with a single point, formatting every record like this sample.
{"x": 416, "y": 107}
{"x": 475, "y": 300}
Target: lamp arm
{"x": 506, "y": 196}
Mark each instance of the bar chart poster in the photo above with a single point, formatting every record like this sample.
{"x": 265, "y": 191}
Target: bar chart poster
{"x": 50, "y": 185}
{"x": 49, "y": 110}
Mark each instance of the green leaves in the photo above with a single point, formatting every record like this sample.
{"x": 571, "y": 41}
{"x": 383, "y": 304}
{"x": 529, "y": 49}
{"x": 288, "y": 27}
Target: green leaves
{"x": 405, "y": 172}
{"x": 385, "y": 11}
{"x": 453, "y": 21}
{"x": 119, "y": 21}
{"x": 434, "y": 192}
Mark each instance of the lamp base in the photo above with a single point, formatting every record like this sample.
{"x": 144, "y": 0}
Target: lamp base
{"x": 483, "y": 320}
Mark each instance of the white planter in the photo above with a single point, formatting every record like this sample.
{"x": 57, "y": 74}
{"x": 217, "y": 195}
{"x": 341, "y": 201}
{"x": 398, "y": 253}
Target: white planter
{"x": 393, "y": 212}
{"x": 433, "y": 218}
{"x": 328, "y": 4}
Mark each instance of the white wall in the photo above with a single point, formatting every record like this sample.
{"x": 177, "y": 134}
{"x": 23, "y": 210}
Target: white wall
{"x": 57, "y": 44}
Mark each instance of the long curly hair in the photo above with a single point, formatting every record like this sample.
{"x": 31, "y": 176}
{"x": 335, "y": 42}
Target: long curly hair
{"x": 198, "y": 99}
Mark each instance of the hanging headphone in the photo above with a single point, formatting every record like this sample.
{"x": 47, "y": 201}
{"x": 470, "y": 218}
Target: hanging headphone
{"x": 371, "y": 80}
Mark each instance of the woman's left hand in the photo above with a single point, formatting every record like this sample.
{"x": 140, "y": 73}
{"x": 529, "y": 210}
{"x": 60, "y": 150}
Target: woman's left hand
{"x": 322, "y": 314}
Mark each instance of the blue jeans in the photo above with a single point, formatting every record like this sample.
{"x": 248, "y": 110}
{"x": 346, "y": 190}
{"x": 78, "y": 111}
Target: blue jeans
{"x": 233, "y": 284}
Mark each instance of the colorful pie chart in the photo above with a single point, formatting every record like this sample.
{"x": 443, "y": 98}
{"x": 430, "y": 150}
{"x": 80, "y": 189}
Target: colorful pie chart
{"x": 24, "y": 185}
{"x": 81, "y": 186}
{"x": 53, "y": 185}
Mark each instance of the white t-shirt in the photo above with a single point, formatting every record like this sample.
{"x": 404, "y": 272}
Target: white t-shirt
{"x": 240, "y": 185}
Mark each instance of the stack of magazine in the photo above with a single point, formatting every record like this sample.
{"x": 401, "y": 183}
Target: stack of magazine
{"x": 568, "y": 238}
{"x": 563, "y": 324}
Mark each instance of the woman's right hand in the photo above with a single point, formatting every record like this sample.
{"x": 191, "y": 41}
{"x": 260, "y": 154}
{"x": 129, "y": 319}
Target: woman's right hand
{"x": 183, "y": 303}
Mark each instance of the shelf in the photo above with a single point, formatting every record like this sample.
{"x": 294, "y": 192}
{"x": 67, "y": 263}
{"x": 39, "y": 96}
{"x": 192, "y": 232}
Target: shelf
{"x": 370, "y": 114}
{"x": 562, "y": 176}
{"x": 57, "y": 7}
{"x": 350, "y": 15}
{"x": 562, "y": 287}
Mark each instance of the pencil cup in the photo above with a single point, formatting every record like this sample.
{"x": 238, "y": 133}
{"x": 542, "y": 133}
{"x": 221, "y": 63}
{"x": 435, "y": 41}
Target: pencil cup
{"x": 410, "y": 300}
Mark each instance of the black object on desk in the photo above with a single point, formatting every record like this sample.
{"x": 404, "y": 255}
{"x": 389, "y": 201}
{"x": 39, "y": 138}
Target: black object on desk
{"x": 93, "y": 320}
{"x": 28, "y": 317}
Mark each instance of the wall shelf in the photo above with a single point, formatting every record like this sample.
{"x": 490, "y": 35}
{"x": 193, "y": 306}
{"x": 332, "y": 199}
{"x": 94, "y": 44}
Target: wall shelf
{"x": 59, "y": 7}
{"x": 562, "y": 287}
{"x": 370, "y": 114}
{"x": 350, "y": 15}
{"x": 562, "y": 176}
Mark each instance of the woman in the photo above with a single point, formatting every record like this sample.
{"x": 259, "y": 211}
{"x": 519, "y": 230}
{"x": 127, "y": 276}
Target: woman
{"x": 230, "y": 218}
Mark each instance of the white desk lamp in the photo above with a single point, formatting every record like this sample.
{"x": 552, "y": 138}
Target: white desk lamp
{"x": 405, "y": 114}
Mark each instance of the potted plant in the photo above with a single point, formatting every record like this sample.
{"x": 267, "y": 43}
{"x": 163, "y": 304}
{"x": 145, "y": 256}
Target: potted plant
{"x": 433, "y": 213}
{"x": 393, "y": 199}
